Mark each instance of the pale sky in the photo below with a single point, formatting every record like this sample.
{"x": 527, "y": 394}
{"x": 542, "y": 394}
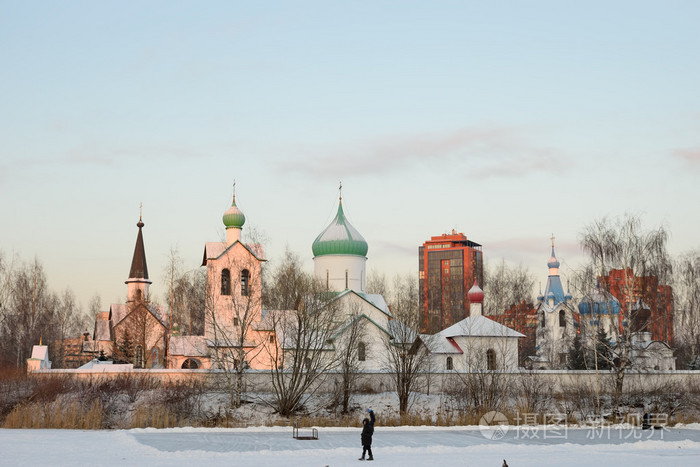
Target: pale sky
{"x": 508, "y": 121}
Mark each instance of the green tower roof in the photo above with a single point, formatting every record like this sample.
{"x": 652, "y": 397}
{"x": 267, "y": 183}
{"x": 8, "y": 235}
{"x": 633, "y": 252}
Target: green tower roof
{"x": 340, "y": 238}
{"x": 234, "y": 218}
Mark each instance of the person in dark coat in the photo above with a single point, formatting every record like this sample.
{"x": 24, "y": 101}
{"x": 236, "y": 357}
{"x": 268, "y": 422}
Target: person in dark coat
{"x": 367, "y": 432}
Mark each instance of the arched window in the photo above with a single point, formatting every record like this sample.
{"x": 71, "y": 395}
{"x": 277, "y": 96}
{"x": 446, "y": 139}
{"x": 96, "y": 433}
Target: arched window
{"x": 307, "y": 364}
{"x": 245, "y": 282}
{"x": 361, "y": 351}
{"x": 491, "y": 359}
{"x": 328, "y": 279}
{"x": 448, "y": 364}
{"x": 542, "y": 319}
{"x": 346, "y": 279}
{"x": 190, "y": 364}
{"x": 562, "y": 319}
{"x": 225, "y": 282}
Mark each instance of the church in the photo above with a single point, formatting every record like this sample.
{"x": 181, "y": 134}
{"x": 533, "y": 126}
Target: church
{"x": 237, "y": 330}
{"x": 239, "y": 333}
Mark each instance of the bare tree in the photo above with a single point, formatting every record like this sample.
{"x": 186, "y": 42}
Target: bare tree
{"x": 303, "y": 319}
{"x": 349, "y": 351}
{"x": 687, "y": 306}
{"x": 377, "y": 283}
{"x": 505, "y": 286}
{"x": 405, "y": 358}
{"x": 626, "y": 245}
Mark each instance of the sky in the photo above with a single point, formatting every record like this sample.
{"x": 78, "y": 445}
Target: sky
{"x": 507, "y": 121}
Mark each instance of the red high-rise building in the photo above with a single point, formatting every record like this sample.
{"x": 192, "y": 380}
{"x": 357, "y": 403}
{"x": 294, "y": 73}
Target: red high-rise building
{"x": 448, "y": 265}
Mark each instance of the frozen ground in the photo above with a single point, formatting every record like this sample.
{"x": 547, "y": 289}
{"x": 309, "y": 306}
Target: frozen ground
{"x": 403, "y": 446}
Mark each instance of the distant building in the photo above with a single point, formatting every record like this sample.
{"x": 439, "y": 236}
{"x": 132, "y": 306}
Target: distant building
{"x": 652, "y": 303}
{"x": 448, "y": 266}
{"x": 522, "y": 317}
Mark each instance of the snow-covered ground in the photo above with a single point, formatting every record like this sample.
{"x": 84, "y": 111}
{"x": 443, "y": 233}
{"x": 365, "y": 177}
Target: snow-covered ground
{"x": 400, "y": 446}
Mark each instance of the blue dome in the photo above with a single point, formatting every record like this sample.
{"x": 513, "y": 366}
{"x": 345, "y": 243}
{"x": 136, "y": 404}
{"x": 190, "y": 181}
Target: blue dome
{"x": 599, "y": 302}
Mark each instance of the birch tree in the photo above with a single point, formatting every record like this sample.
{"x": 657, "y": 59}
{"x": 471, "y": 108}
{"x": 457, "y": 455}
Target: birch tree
{"x": 624, "y": 244}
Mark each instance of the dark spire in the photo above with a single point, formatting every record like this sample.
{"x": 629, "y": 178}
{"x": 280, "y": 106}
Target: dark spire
{"x": 139, "y": 269}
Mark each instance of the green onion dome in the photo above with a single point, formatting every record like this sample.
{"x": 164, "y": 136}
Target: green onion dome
{"x": 340, "y": 238}
{"x": 234, "y": 217}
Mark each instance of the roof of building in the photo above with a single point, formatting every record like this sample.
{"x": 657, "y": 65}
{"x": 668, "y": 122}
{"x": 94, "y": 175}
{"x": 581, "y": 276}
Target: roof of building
{"x": 139, "y": 269}
{"x": 40, "y": 352}
{"x": 102, "y": 329}
{"x": 340, "y": 238}
{"x": 599, "y": 302}
{"x": 440, "y": 345}
{"x": 478, "y": 326}
{"x": 215, "y": 250}
{"x": 119, "y": 311}
{"x": 188, "y": 346}
{"x": 376, "y": 300}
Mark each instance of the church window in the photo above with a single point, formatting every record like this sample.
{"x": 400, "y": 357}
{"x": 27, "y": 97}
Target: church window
{"x": 190, "y": 364}
{"x": 245, "y": 282}
{"x": 361, "y": 352}
{"x": 225, "y": 282}
{"x": 327, "y": 279}
{"x": 235, "y": 321}
{"x": 272, "y": 338}
{"x": 307, "y": 364}
{"x": 562, "y": 319}
{"x": 491, "y": 359}
{"x": 448, "y": 364}
{"x": 542, "y": 319}
{"x": 346, "y": 279}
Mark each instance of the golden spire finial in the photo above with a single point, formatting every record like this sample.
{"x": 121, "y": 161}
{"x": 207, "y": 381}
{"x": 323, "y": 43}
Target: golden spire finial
{"x": 552, "y": 238}
{"x": 340, "y": 192}
{"x": 140, "y": 211}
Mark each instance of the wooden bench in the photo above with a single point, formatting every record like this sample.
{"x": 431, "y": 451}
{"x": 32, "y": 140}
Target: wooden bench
{"x": 295, "y": 433}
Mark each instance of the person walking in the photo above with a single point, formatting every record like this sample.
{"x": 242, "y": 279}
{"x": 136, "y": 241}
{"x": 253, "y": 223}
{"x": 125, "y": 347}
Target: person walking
{"x": 367, "y": 432}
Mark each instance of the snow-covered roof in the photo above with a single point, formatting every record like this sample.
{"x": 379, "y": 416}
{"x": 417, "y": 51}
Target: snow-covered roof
{"x": 214, "y": 250}
{"x": 345, "y": 325}
{"x": 102, "y": 332}
{"x": 480, "y": 326}
{"x": 106, "y": 366}
{"x": 439, "y": 345}
{"x": 119, "y": 311}
{"x": 401, "y": 333}
{"x": 40, "y": 352}
{"x": 376, "y": 300}
{"x": 188, "y": 346}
